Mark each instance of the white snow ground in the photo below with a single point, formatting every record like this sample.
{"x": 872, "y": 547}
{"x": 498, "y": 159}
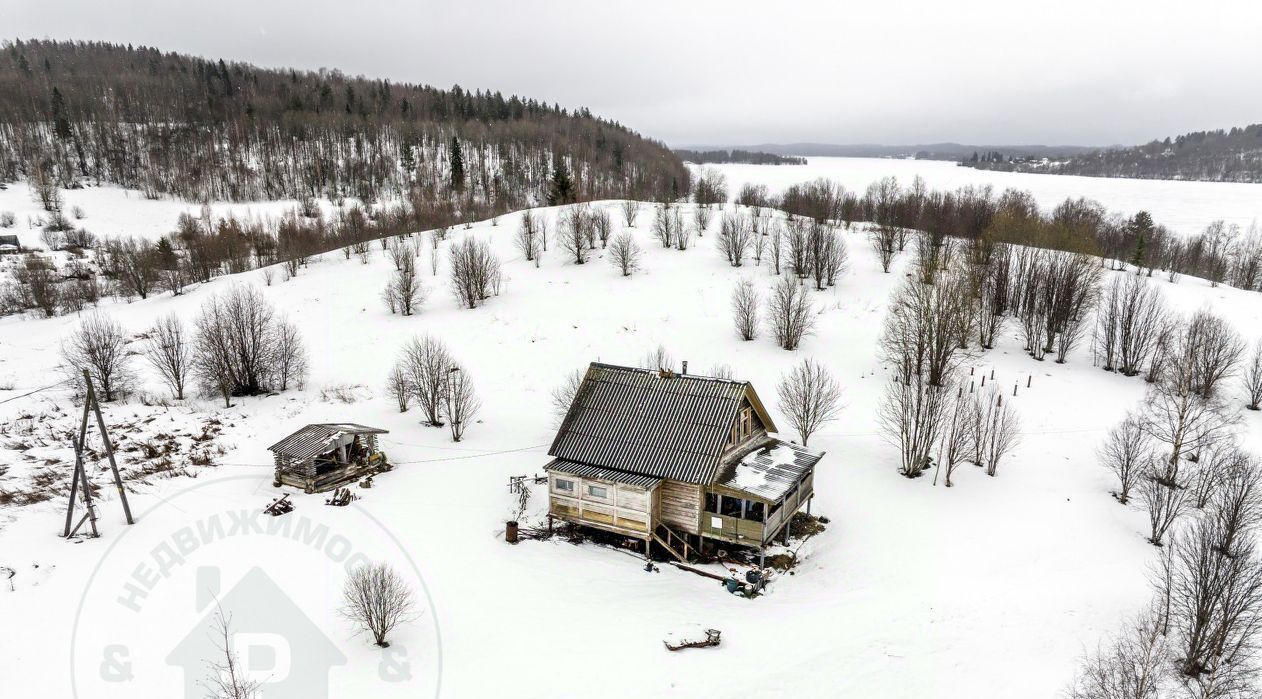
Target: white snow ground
{"x": 993, "y": 588}
{"x": 1183, "y": 207}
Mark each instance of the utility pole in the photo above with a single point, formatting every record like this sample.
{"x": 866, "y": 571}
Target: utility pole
{"x": 80, "y": 478}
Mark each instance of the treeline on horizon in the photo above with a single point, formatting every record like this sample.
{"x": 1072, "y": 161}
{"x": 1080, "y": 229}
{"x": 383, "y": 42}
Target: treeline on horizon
{"x": 1222, "y": 253}
{"x": 1233, "y": 155}
{"x": 745, "y": 157}
{"x": 202, "y": 130}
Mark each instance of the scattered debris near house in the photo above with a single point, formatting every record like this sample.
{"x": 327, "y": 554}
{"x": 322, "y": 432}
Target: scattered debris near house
{"x": 703, "y": 638}
{"x": 341, "y": 497}
{"x": 687, "y": 463}
{"x": 325, "y": 456}
{"x": 280, "y": 506}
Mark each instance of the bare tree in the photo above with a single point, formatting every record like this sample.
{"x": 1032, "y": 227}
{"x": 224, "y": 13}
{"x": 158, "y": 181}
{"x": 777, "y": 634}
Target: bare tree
{"x": 630, "y": 212}
{"x": 1002, "y": 429}
{"x": 790, "y": 313}
{"x": 809, "y": 396}
{"x": 885, "y": 242}
{"x": 168, "y": 350}
{"x": 563, "y": 395}
{"x": 227, "y": 680}
{"x": 1126, "y": 452}
{"x": 955, "y": 442}
{"x": 427, "y": 363}
{"x": 475, "y": 272}
{"x": 1182, "y": 419}
{"x": 405, "y": 292}
{"x": 460, "y": 402}
{"x": 664, "y": 225}
{"x": 377, "y": 599}
{"x": 735, "y": 237}
{"x": 399, "y": 386}
{"x": 745, "y": 303}
{"x": 1216, "y": 604}
{"x": 1131, "y": 666}
{"x": 911, "y": 417}
{"x": 1210, "y": 348}
{"x": 1237, "y": 505}
{"x": 1129, "y": 322}
{"x": 1252, "y": 377}
{"x": 602, "y": 225}
{"x": 702, "y": 215}
{"x": 625, "y": 253}
{"x": 529, "y": 234}
{"x": 775, "y": 244}
{"x": 923, "y": 326}
{"x": 574, "y": 232}
{"x": 99, "y": 345}
{"x": 658, "y": 358}
{"x": 1165, "y": 503}
{"x": 289, "y": 356}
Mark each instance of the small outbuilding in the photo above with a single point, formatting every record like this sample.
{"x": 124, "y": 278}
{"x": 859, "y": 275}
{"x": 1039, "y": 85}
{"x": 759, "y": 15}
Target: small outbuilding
{"x": 687, "y": 462}
{"x": 328, "y": 455}
{"x": 9, "y": 245}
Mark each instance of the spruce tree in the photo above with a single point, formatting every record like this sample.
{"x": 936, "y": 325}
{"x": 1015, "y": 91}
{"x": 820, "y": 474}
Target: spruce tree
{"x": 61, "y": 125}
{"x": 561, "y": 189}
{"x": 457, "y": 165}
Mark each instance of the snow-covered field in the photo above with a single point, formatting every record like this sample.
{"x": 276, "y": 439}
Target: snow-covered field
{"x": 1183, "y": 207}
{"x": 113, "y": 211}
{"x": 992, "y": 588}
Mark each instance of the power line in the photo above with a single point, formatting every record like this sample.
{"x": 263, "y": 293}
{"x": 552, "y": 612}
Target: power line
{"x": 38, "y": 390}
{"x": 426, "y": 461}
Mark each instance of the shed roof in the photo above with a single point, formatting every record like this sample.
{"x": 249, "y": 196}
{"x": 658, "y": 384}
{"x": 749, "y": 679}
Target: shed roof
{"x": 770, "y": 470}
{"x": 652, "y": 423}
{"x": 316, "y": 439}
{"x": 601, "y": 473}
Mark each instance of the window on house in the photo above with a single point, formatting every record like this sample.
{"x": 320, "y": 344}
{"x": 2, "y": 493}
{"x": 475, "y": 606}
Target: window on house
{"x": 564, "y": 486}
{"x": 732, "y": 507}
{"x": 747, "y": 422}
{"x": 598, "y": 491}
{"x": 754, "y": 511}
{"x": 711, "y": 502}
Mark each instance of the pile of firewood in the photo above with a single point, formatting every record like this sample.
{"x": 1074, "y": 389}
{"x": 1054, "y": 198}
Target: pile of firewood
{"x": 280, "y": 506}
{"x": 341, "y": 498}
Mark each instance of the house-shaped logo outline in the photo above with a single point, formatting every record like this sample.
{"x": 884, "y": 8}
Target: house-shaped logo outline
{"x": 258, "y": 605}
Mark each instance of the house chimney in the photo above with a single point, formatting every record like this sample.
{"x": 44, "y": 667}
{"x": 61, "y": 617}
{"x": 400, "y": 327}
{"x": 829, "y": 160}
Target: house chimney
{"x": 207, "y": 586}
{"x": 685, "y": 369}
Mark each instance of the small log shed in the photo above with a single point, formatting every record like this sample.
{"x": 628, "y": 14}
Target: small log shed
{"x": 325, "y": 456}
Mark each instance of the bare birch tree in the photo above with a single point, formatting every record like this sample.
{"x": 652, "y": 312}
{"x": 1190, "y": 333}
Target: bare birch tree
{"x": 1126, "y": 452}
{"x": 169, "y": 353}
{"x": 809, "y": 396}
{"x": 790, "y": 313}
{"x": 745, "y": 302}
{"x": 625, "y": 253}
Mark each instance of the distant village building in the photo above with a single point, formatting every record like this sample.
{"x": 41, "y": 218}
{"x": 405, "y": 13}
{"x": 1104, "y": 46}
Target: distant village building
{"x": 684, "y": 461}
{"x": 9, "y": 245}
{"x": 326, "y": 456}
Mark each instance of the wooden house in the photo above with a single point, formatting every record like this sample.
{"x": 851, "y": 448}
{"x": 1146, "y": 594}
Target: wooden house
{"x": 9, "y": 245}
{"x": 685, "y": 461}
{"x": 326, "y": 456}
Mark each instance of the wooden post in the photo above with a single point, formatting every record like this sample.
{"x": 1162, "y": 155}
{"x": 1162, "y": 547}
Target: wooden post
{"x": 109, "y": 448}
{"x": 80, "y": 479}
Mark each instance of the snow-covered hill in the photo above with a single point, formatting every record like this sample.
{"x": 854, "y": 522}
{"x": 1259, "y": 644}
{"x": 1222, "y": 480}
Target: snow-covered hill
{"x": 992, "y": 588}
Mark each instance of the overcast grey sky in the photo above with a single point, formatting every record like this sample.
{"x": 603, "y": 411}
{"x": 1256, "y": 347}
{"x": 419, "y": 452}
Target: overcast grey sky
{"x": 1091, "y": 72}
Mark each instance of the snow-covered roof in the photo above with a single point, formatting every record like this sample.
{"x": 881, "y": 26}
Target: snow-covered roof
{"x": 652, "y": 423}
{"x": 314, "y": 440}
{"x": 770, "y": 470}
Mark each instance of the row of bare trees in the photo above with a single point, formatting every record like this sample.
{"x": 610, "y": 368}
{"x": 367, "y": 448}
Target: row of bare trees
{"x": 238, "y": 346}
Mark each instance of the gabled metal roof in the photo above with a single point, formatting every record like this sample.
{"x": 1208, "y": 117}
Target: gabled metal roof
{"x": 314, "y": 440}
{"x": 600, "y": 473}
{"x": 642, "y": 421}
{"x": 770, "y": 470}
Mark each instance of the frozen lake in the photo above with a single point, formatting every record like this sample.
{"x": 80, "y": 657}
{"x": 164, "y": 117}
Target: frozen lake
{"x": 1184, "y": 207}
